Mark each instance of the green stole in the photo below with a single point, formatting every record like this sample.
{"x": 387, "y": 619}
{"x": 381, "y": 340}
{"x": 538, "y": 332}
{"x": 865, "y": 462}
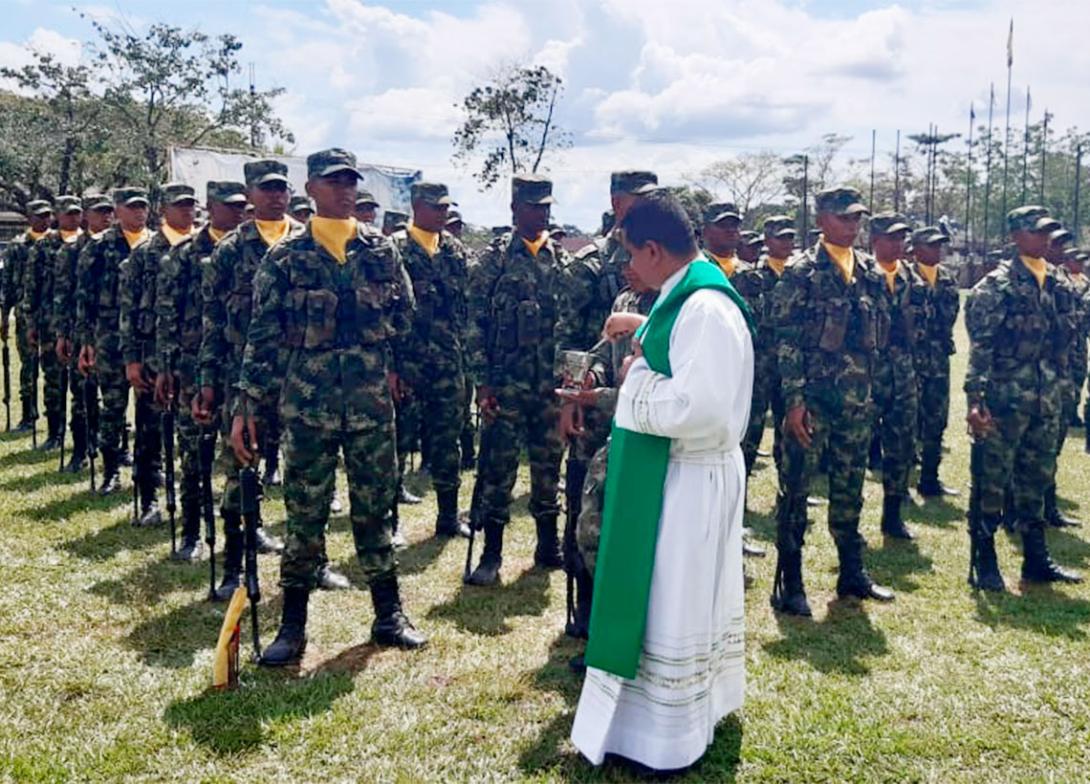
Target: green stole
{"x": 633, "y": 497}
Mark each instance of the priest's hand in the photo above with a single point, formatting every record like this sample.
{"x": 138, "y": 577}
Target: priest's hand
{"x": 620, "y": 325}
{"x": 799, "y": 426}
{"x": 980, "y": 421}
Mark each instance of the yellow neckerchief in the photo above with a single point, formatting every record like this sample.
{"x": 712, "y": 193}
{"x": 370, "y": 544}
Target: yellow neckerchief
{"x": 96, "y": 234}
{"x": 891, "y": 268}
{"x": 272, "y": 231}
{"x": 843, "y": 257}
{"x": 534, "y": 246}
{"x": 333, "y": 234}
{"x": 929, "y": 272}
{"x": 776, "y": 265}
{"x": 70, "y": 235}
{"x": 726, "y": 263}
{"x": 173, "y": 235}
{"x": 134, "y": 238}
{"x": 34, "y": 236}
{"x": 1037, "y": 267}
{"x": 428, "y": 240}
{"x": 216, "y": 234}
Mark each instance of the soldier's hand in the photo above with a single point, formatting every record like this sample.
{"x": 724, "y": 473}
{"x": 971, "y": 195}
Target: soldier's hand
{"x": 620, "y": 325}
{"x": 798, "y": 425}
{"x": 32, "y": 338}
{"x": 487, "y": 403}
{"x": 394, "y": 384}
{"x": 63, "y": 350}
{"x": 202, "y": 406}
{"x": 570, "y": 422}
{"x": 3, "y": 329}
{"x": 134, "y": 372}
{"x": 241, "y": 429}
{"x": 164, "y": 389}
{"x": 581, "y": 397}
{"x": 980, "y": 421}
{"x": 86, "y": 363}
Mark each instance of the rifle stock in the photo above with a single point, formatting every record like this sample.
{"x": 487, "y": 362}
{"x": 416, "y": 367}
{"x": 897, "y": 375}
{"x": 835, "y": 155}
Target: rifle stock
{"x": 62, "y": 426}
{"x": 89, "y": 394}
{"x": 168, "y": 455}
{"x": 207, "y": 454}
{"x": 7, "y": 386}
{"x": 251, "y": 515}
{"x": 474, "y": 504}
{"x": 34, "y": 399}
{"x": 574, "y": 476}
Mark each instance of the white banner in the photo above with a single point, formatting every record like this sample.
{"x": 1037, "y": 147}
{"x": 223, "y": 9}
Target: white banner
{"x": 197, "y": 165}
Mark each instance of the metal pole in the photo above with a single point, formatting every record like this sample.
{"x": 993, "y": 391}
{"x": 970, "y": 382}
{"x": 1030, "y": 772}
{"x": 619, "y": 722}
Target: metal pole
{"x": 1007, "y": 139}
{"x": 969, "y": 184}
{"x": 873, "y": 143}
{"x": 1044, "y": 153}
{"x": 1025, "y": 153}
{"x": 805, "y": 206}
{"x": 1078, "y": 181}
{"x": 897, "y": 175}
{"x": 988, "y": 169}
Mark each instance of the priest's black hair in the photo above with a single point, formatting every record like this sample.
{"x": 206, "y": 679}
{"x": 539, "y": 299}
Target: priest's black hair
{"x": 660, "y": 217}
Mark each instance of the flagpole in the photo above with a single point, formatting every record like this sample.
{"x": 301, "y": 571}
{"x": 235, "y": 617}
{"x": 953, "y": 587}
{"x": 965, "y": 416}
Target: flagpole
{"x": 969, "y": 184}
{"x": 1078, "y": 180}
{"x": 988, "y": 168}
{"x": 1044, "y": 152}
{"x": 873, "y": 143}
{"x": 1007, "y": 132}
{"x": 1025, "y": 151}
{"x": 897, "y": 174}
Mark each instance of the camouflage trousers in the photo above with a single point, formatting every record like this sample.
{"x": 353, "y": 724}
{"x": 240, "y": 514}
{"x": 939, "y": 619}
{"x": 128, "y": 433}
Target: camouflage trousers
{"x": 588, "y": 529}
{"x": 435, "y": 412}
{"x": 53, "y": 393}
{"x": 114, "y": 388}
{"x": 897, "y": 418}
{"x": 148, "y": 444}
{"x": 310, "y": 457}
{"x": 841, "y": 437}
{"x": 1023, "y": 446}
{"x": 81, "y": 396}
{"x": 766, "y": 394}
{"x": 188, "y": 433}
{"x": 934, "y": 414}
{"x": 28, "y": 371}
{"x": 228, "y": 464}
{"x": 527, "y": 415}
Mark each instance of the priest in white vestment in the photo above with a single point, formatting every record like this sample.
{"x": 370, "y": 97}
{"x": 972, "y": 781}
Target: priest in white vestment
{"x": 691, "y": 669}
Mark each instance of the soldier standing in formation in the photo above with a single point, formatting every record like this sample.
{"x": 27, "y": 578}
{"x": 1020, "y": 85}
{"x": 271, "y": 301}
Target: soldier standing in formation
{"x": 514, "y": 305}
{"x": 179, "y": 313}
{"x": 337, "y": 295}
{"x": 826, "y": 311}
{"x": 301, "y": 208}
{"x": 720, "y": 235}
{"x": 366, "y": 207}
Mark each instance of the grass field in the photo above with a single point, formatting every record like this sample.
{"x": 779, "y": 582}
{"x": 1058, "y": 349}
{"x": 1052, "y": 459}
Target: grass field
{"x": 106, "y": 650}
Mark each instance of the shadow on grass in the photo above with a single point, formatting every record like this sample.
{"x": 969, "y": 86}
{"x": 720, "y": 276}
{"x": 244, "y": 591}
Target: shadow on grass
{"x": 763, "y": 525}
{"x": 1068, "y": 547}
{"x": 418, "y": 556}
{"x": 480, "y": 610}
{"x": 232, "y": 722}
{"x": 35, "y": 482}
{"x": 835, "y": 644}
{"x": 144, "y": 586}
{"x": 1040, "y": 609}
{"x": 105, "y": 543}
{"x": 27, "y": 457}
{"x": 896, "y": 561}
{"x": 935, "y": 512}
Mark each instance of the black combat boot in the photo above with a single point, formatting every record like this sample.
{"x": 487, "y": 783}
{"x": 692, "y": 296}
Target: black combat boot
{"x": 584, "y": 596}
{"x": 405, "y": 497}
{"x": 149, "y": 501}
{"x": 52, "y": 434}
{"x": 983, "y": 565}
{"x": 1037, "y": 564}
{"x": 892, "y": 524}
{"x": 271, "y": 477}
{"x": 547, "y": 553}
{"x": 854, "y": 580}
{"x": 488, "y": 570}
{"x": 291, "y": 640}
{"x": 874, "y": 454}
{"x": 392, "y": 627}
{"x": 267, "y": 543}
{"x": 446, "y": 522}
{"x": 331, "y": 580}
{"x": 931, "y": 487}
{"x": 192, "y": 548}
{"x": 111, "y": 473}
{"x": 1053, "y": 516}
{"x": 749, "y": 549}
{"x": 232, "y": 564}
{"x": 469, "y": 460}
{"x": 78, "y": 460}
{"x": 788, "y": 593}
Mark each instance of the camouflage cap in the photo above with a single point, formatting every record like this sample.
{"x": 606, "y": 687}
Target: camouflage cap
{"x": 300, "y": 203}
{"x": 177, "y": 192}
{"x": 532, "y": 189}
{"x": 434, "y": 193}
{"x": 499, "y": 231}
{"x": 326, "y": 163}
{"x": 637, "y": 183}
{"x": 226, "y": 192}
{"x": 364, "y": 198}
{"x": 779, "y": 226}
{"x": 556, "y": 231}
{"x": 454, "y": 218}
{"x": 97, "y": 201}
{"x": 888, "y": 223}
{"x": 39, "y": 207}
{"x": 264, "y": 170}
{"x": 1047, "y": 223}
{"x": 928, "y": 235}
{"x": 69, "y": 204}
{"x": 721, "y": 210}
{"x": 1073, "y": 253}
{"x": 130, "y": 196}
{"x": 1025, "y": 218}
{"x": 750, "y": 238}
{"x": 1082, "y": 255}
{"x": 393, "y": 220}
{"x": 840, "y": 201}
{"x": 1059, "y": 235}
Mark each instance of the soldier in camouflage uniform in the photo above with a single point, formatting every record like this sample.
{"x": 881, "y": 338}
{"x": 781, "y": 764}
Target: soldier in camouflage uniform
{"x": 301, "y": 208}
{"x": 431, "y": 354}
{"x": 514, "y": 305}
{"x": 1074, "y": 260}
{"x": 749, "y": 247}
{"x": 38, "y": 291}
{"x": 178, "y": 314}
{"x": 720, "y": 236}
{"x": 98, "y": 304}
{"x": 337, "y": 297}
{"x": 98, "y": 211}
{"x": 1018, "y": 317}
{"x": 393, "y": 220}
{"x": 932, "y": 354}
{"x": 895, "y": 387}
{"x": 366, "y": 207}
{"x": 40, "y": 214}
{"x": 227, "y": 286}
{"x": 827, "y": 309}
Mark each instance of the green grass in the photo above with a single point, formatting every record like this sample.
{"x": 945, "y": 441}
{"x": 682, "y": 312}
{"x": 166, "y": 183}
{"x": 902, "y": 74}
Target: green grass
{"x": 106, "y": 649}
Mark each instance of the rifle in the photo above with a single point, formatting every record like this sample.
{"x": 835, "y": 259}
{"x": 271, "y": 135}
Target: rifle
{"x": 975, "y": 521}
{"x": 251, "y": 517}
{"x": 574, "y": 476}
{"x": 208, "y": 512}
{"x": 137, "y": 450}
{"x": 475, "y": 503}
{"x": 1085, "y": 424}
{"x": 168, "y": 455}
{"x": 7, "y": 386}
{"x": 89, "y": 394}
{"x": 63, "y": 424}
{"x": 34, "y": 399}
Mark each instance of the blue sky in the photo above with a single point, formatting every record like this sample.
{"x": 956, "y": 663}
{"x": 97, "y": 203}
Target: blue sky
{"x": 668, "y": 85}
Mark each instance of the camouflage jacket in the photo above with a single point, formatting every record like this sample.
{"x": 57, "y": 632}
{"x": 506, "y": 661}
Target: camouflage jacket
{"x": 592, "y": 281}
{"x": 64, "y": 285}
{"x": 321, "y": 332}
{"x": 98, "y": 274}
{"x": 14, "y": 273}
{"x": 755, "y": 284}
{"x": 906, "y": 307}
{"x": 227, "y": 294}
{"x": 940, "y": 312}
{"x": 39, "y": 278}
{"x": 437, "y": 338}
{"x": 137, "y": 293}
{"x": 514, "y": 305}
{"x": 1080, "y": 316}
{"x": 1018, "y": 339}
{"x": 827, "y": 331}
{"x": 178, "y": 305}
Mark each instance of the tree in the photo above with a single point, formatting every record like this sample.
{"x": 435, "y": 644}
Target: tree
{"x": 695, "y": 200}
{"x": 750, "y": 180}
{"x": 510, "y": 122}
